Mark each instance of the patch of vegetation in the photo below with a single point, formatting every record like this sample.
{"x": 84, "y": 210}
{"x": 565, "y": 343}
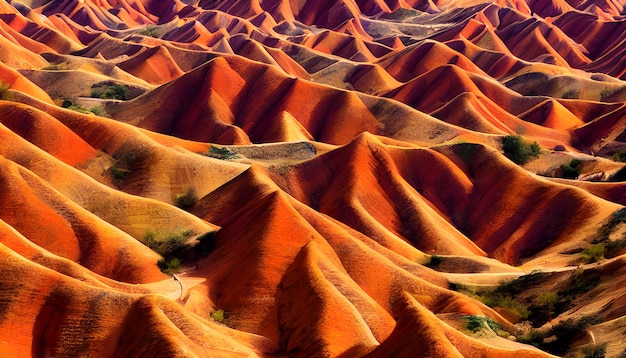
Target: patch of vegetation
{"x": 564, "y": 334}
{"x": 186, "y": 200}
{"x": 571, "y": 170}
{"x": 619, "y": 156}
{"x": 219, "y": 316}
{"x": 593, "y": 253}
{"x": 435, "y": 261}
{"x": 123, "y": 166}
{"x": 55, "y": 67}
{"x": 206, "y": 245}
{"x": 594, "y": 351}
{"x": 69, "y": 104}
{"x": 223, "y": 153}
{"x": 98, "y": 111}
{"x": 150, "y": 31}
{"x": 114, "y": 91}
{"x": 605, "y": 92}
{"x": 612, "y": 248}
{"x": 547, "y": 300}
{"x": 170, "y": 265}
{"x": 173, "y": 242}
{"x": 176, "y": 249}
{"x": 475, "y": 323}
{"x": 4, "y": 92}
{"x": 522, "y": 283}
{"x": 580, "y": 283}
{"x": 533, "y": 337}
{"x": 518, "y": 150}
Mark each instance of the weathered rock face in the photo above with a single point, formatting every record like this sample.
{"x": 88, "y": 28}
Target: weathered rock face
{"x": 324, "y": 178}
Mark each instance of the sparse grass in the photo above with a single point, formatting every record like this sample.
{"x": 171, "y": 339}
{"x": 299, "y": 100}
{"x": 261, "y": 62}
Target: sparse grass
{"x": 519, "y": 151}
{"x": 186, "y": 200}
{"x": 150, "y": 31}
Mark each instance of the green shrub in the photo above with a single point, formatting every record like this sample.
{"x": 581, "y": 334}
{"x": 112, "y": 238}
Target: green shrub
{"x": 593, "y": 253}
{"x": 187, "y": 200}
{"x": 150, "y": 30}
{"x": 572, "y": 169}
{"x": 98, "y": 111}
{"x": 206, "y": 245}
{"x": 224, "y": 153}
{"x": 219, "y": 316}
{"x": 114, "y": 91}
{"x": 169, "y": 265}
{"x": 519, "y": 151}
{"x": 475, "y": 323}
{"x": 547, "y": 300}
{"x": 534, "y": 337}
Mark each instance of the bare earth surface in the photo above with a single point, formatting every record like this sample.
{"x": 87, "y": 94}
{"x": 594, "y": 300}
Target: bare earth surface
{"x": 276, "y": 178}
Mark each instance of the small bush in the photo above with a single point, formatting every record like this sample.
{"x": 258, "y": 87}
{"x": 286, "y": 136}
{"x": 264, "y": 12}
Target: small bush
{"x": 572, "y": 169}
{"x": 219, "y": 316}
{"x": 547, "y": 300}
{"x": 534, "y": 337}
{"x": 114, "y": 91}
{"x": 169, "y": 265}
{"x": 593, "y": 253}
{"x": 519, "y": 151}
{"x": 223, "y": 153}
{"x": 98, "y": 111}
{"x": 173, "y": 248}
{"x": 206, "y": 245}
{"x": 476, "y": 323}
{"x": 150, "y": 31}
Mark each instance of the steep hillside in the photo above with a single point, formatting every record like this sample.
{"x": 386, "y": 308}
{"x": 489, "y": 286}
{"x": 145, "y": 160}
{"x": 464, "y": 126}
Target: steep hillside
{"x": 369, "y": 178}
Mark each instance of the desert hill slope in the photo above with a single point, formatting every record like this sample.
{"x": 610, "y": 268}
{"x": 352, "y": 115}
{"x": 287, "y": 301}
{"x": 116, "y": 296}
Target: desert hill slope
{"x": 274, "y": 178}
